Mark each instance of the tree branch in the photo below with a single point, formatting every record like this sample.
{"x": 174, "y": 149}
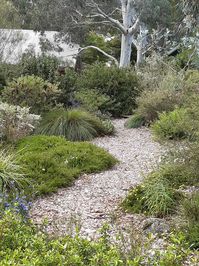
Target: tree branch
{"x": 99, "y": 50}
{"x": 101, "y": 13}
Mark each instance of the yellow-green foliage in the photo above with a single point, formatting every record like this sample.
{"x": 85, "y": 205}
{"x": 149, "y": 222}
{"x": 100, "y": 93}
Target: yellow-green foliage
{"x": 22, "y": 244}
{"x": 52, "y": 162}
{"x": 174, "y": 125}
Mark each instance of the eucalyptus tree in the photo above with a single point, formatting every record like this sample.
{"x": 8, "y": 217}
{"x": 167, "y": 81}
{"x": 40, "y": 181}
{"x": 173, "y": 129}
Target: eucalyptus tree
{"x": 134, "y": 20}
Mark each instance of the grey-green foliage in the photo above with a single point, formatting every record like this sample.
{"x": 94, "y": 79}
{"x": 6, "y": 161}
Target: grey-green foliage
{"x": 74, "y": 125}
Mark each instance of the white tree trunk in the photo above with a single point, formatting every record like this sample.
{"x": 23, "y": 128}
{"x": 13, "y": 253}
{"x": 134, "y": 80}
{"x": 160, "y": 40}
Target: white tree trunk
{"x": 126, "y": 49}
{"x": 140, "y": 56}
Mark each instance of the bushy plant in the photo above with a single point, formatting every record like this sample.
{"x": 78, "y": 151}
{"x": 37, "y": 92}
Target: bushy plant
{"x": 121, "y": 85}
{"x": 52, "y": 162}
{"x": 94, "y": 101}
{"x": 190, "y": 213}
{"x": 31, "y": 91}
{"x": 22, "y": 244}
{"x": 16, "y": 122}
{"x": 66, "y": 84}
{"x": 135, "y": 121}
{"x": 173, "y": 125}
{"x": 74, "y": 125}
{"x": 42, "y": 66}
{"x": 151, "y": 103}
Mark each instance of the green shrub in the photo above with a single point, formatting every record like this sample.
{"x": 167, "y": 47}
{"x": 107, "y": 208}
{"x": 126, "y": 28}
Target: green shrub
{"x": 22, "y": 244}
{"x": 121, "y": 85}
{"x": 94, "y": 101}
{"x": 74, "y": 125}
{"x": 42, "y": 66}
{"x": 66, "y": 85}
{"x": 135, "y": 121}
{"x": 151, "y": 103}
{"x": 31, "y": 91}
{"x": 173, "y": 125}
{"x": 190, "y": 213}
{"x": 135, "y": 202}
{"x": 52, "y": 162}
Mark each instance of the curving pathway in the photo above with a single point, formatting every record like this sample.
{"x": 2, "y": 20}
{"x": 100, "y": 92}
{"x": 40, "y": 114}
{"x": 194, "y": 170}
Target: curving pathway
{"x": 94, "y": 198}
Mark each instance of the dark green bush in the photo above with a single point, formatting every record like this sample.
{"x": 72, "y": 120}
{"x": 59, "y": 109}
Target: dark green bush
{"x": 53, "y": 162}
{"x": 94, "y": 101}
{"x": 31, "y": 91}
{"x": 66, "y": 85}
{"x": 42, "y": 66}
{"x": 74, "y": 125}
{"x": 121, "y": 85}
{"x": 174, "y": 125}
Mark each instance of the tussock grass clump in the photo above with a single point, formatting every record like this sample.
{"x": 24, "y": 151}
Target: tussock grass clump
{"x": 74, "y": 125}
{"x": 52, "y": 162}
{"x": 135, "y": 121}
{"x": 11, "y": 173}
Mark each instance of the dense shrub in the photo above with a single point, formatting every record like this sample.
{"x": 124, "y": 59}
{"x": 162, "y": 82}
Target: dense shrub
{"x": 94, "y": 101}
{"x": 16, "y": 122}
{"x": 151, "y": 103}
{"x": 42, "y": 66}
{"x": 53, "y": 162}
{"x": 174, "y": 125}
{"x": 121, "y": 85}
{"x": 31, "y": 91}
{"x": 66, "y": 84}
{"x": 74, "y": 125}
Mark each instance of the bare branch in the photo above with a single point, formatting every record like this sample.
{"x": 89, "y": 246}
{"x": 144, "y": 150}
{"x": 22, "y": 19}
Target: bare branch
{"x": 101, "y": 13}
{"x": 133, "y": 29}
{"x": 99, "y": 50}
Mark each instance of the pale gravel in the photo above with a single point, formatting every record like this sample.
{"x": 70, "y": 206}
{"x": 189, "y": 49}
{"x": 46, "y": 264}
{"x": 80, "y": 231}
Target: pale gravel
{"x": 94, "y": 199}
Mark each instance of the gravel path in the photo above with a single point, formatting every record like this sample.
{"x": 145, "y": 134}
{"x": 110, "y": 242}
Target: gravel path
{"x": 94, "y": 198}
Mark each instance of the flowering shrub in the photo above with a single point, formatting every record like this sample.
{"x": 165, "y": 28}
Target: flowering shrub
{"x": 16, "y": 122}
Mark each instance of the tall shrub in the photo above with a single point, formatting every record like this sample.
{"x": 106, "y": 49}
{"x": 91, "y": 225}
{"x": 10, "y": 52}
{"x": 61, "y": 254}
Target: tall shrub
{"x": 121, "y": 85}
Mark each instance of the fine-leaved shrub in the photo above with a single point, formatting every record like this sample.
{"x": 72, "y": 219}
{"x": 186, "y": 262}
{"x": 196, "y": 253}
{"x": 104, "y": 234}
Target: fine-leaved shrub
{"x": 31, "y": 91}
{"x": 174, "y": 125}
{"x": 189, "y": 212}
{"x": 74, "y": 125}
{"x": 121, "y": 85}
{"x": 52, "y": 162}
{"x": 151, "y": 103}
{"x": 16, "y": 122}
